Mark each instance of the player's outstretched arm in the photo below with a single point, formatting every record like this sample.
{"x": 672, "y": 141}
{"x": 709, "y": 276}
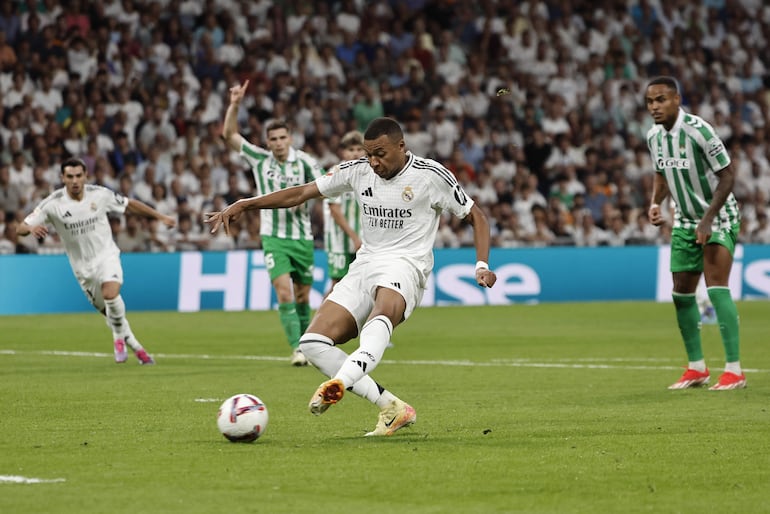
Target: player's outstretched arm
{"x": 289, "y": 197}
{"x": 137, "y": 207}
{"x": 484, "y": 276}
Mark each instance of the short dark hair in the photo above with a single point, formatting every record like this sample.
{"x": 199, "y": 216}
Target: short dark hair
{"x": 383, "y": 127}
{"x": 74, "y": 162}
{"x": 275, "y": 125}
{"x": 664, "y": 80}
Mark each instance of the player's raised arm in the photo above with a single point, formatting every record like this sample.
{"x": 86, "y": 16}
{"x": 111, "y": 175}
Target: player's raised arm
{"x": 289, "y": 197}
{"x": 484, "y": 276}
{"x": 230, "y": 126}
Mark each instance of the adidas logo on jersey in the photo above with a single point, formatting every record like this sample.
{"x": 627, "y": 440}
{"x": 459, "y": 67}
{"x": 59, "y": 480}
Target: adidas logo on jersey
{"x": 67, "y": 214}
{"x": 397, "y": 285}
{"x": 367, "y": 192}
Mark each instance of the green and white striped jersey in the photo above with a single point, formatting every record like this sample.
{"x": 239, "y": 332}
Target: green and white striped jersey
{"x": 270, "y": 175}
{"x": 335, "y": 239}
{"x": 689, "y": 156}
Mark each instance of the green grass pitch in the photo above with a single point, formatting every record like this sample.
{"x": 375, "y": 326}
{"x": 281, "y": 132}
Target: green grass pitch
{"x": 539, "y": 409}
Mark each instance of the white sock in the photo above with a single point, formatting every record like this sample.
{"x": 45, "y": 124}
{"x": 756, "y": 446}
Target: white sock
{"x": 734, "y": 367}
{"x": 697, "y": 365}
{"x": 322, "y": 353}
{"x": 115, "y": 312}
{"x": 368, "y": 388}
{"x": 131, "y": 339}
{"x": 374, "y": 338}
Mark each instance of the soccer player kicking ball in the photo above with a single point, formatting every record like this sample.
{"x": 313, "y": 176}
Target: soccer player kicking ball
{"x": 692, "y": 165}
{"x": 78, "y": 212}
{"x": 401, "y": 198}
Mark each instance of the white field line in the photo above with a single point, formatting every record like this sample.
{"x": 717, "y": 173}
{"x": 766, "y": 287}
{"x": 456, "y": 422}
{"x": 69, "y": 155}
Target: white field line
{"x": 16, "y": 479}
{"x": 579, "y": 363}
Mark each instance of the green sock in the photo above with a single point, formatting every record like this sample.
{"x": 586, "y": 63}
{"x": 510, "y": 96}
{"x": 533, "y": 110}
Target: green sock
{"x": 303, "y": 313}
{"x": 727, "y": 315}
{"x": 290, "y": 321}
{"x": 688, "y": 318}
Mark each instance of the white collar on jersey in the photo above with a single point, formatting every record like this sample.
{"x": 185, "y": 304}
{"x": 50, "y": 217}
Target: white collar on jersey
{"x": 409, "y": 161}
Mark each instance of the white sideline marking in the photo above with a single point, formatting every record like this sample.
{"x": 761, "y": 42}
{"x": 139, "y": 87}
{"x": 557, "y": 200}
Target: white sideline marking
{"x": 16, "y": 479}
{"x": 578, "y": 363}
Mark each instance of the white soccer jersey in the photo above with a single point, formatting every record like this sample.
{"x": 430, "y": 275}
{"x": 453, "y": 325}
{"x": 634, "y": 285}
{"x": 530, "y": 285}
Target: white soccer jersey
{"x": 400, "y": 216}
{"x": 82, "y": 225}
{"x": 689, "y": 156}
{"x": 270, "y": 175}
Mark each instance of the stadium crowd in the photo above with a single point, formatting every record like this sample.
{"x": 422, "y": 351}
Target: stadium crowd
{"x": 537, "y": 107}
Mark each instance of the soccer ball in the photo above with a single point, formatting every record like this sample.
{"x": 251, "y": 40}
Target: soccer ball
{"x": 242, "y": 418}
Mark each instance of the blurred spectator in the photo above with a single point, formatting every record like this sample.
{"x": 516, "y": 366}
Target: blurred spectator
{"x": 7, "y": 52}
{"x": 418, "y": 140}
{"x": 132, "y": 237}
{"x": 123, "y": 153}
{"x": 7, "y": 238}
{"x": 539, "y": 233}
{"x": 366, "y": 107}
{"x": 188, "y": 236}
{"x": 617, "y": 231}
{"x": 587, "y": 233}
{"x": 462, "y": 170}
{"x": 444, "y": 133}
{"x": 11, "y": 129}
{"x": 761, "y": 233}
{"x": 537, "y": 151}
{"x": 643, "y": 232}
{"x": 11, "y": 193}
{"x": 20, "y": 174}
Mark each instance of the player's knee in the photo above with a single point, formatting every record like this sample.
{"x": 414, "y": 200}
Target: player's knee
{"x": 302, "y": 293}
{"x": 110, "y": 290}
{"x": 335, "y": 322}
{"x": 314, "y": 345}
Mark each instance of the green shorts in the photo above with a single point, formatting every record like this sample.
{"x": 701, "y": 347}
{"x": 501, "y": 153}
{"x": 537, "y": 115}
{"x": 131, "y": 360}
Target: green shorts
{"x": 687, "y": 255}
{"x": 339, "y": 264}
{"x": 289, "y": 256}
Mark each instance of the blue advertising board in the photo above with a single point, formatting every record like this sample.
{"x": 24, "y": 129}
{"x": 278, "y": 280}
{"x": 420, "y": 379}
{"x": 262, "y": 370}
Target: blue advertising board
{"x": 238, "y": 280}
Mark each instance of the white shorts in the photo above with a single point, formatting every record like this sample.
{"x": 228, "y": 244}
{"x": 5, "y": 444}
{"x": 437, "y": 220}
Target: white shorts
{"x": 355, "y": 292}
{"x": 91, "y": 279}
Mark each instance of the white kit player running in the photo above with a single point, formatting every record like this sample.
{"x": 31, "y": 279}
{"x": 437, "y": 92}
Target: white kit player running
{"x": 402, "y": 197}
{"x": 78, "y": 213}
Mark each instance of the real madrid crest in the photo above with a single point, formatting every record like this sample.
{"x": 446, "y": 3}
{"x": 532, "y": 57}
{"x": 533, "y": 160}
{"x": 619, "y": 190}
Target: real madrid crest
{"x": 93, "y": 206}
{"x": 407, "y": 194}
